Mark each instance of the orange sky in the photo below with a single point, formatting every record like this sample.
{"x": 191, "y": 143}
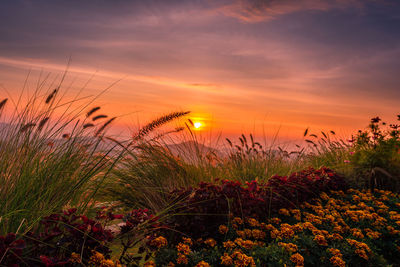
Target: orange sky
{"x": 239, "y": 67}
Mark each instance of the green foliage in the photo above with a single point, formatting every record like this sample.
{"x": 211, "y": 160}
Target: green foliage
{"x": 376, "y": 156}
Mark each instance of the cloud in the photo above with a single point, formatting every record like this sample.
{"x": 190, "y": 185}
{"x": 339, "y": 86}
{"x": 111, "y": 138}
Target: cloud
{"x": 263, "y": 10}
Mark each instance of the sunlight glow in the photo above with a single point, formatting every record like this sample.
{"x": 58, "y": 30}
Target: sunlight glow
{"x": 197, "y": 125}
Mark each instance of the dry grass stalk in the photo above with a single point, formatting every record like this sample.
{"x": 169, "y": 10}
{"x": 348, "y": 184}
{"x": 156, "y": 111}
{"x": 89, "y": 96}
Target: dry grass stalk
{"x": 104, "y": 126}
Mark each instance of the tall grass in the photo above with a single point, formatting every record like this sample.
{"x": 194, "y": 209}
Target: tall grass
{"x": 49, "y": 157}
{"x": 328, "y": 150}
{"x": 155, "y": 167}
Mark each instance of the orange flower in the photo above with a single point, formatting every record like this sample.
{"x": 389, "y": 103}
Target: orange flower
{"x": 297, "y": 259}
{"x": 320, "y": 239}
{"x": 284, "y": 212}
{"x": 229, "y": 244}
{"x": 75, "y": 258}
{"x": 223, "y": 229}
{"x": 237, "y": 220}
{"x": 253, "y": 222}
{"x": 181, "y": 259}
{"x": 226, "y": 260}
{"x": 286, "y": 231}
{"x": 211, "y": 242}
{"x": 357, "y": 233}
{"x": 183, "y": 248}
{"x": 335, "y": 252}
{"x": 150, "y": 264}
{"x": 337, "y": 261}
{"x": 202, "y": 264}
{"x": 187, "y": 241}
{"x": 258, "y": 234}
{"x": 159, "y": 242}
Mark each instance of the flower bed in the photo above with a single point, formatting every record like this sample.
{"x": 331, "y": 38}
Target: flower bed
{"x": 339, "y": 229}
{"x": 201, "y": 210}
{"x": 309, "y": 218}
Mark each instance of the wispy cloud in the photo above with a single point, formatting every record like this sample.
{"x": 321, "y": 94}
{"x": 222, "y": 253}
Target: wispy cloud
{"x": 308, "y": 61}
{"x": 264, "y": 10}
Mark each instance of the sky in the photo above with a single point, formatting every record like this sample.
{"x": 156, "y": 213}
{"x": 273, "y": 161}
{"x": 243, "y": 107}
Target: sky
{"x": 240, "y": 66}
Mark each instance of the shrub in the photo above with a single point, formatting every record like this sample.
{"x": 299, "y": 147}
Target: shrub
{"x": 60, "y": 235}
{"x": 200, "y": 210}
{"x": 64, "y": 239}
{"x": 11, "y": 250}
{"x": 376, "y": 156}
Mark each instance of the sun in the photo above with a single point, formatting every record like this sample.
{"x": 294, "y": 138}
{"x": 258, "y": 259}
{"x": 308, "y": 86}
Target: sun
{"x": 197, "y": 125}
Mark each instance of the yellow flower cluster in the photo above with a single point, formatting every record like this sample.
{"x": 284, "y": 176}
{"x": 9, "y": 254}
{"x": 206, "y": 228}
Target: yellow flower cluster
{"x": 187, "y": 241}
{"x": 223, "y": 229}
{"x": 297, "y": 259}
{"x": 335, "y": 221}
{"x": 336, "y": 259}
{"x": 98, "y": 259}
{"x": 211, "y": 242}
{"x": 226, "y": 259}
{"x": 183, "y": 250}
{"x": 159, "y": 242}
{"x": 362, "y": 249}
{"x": 75, "y": 258}
{"x": 242, "y": 260}
{"x": 202, "y": 264}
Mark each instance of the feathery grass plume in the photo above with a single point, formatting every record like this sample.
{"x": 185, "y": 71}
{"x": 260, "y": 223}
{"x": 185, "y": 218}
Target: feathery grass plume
{"x": 229, "y": 142}
{"x": 305, "y": 132}
{"x": 42, "y": 123}
{"x": 93, "y": 110}
{"x": 310, "y": 141}
{"x": 163, "y": 134}
{"x": 51, "y": 96}
{"x": 25, "y": 127}
{"x": 313, "y": 135}
{"x": 324, "y": 134}
{"x": 191, "y": 122}
{"x": 333, "y": 132}
{"x": 99, "y": 117}
{"x": 241, "y": 141}
{"x": 101, "y": 129}
{"x": 3, "y": 103}
{"x": 244, "y": 138}
{"x": 87, "y": 125}
{"x": 158, "y": 123}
